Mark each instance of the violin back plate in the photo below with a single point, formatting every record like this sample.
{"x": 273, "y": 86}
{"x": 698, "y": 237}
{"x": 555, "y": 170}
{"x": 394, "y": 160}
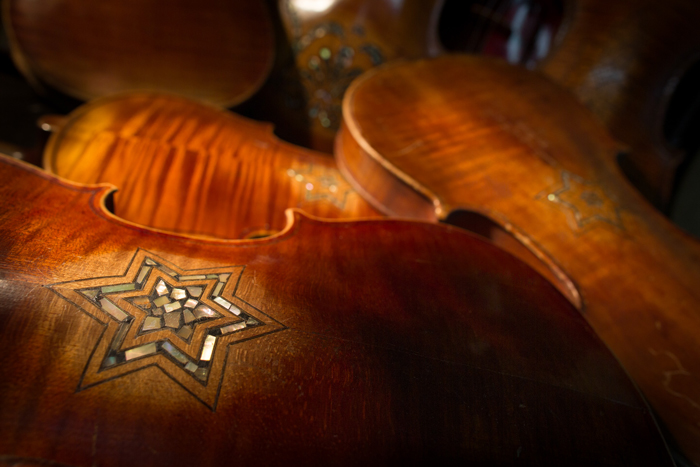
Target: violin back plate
{"x": 187, "y": 167}
{"x": 219, "y": 51}
{"x": 381, "y": 342}
{"x": 624, "y": 60}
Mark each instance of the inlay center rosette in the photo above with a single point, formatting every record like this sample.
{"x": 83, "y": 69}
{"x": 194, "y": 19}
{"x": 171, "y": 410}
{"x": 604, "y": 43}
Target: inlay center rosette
{"x": 156, "y": 314}
{"x": 321, "y": 183}
{"x": 584, "y": 201}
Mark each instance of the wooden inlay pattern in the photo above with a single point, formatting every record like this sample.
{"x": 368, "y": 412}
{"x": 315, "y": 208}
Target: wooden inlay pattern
{"x": 399, "y": 343}
{"x": 586, "y": 202}
{"x": 322, "y": 184}
{"x": 190, "y": 350}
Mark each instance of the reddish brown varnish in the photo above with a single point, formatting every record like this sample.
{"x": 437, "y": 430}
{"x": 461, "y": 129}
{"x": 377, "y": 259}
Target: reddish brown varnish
{"x": 376, "y": 342}
{"x": 431, "y": 138}
{"x": 187, "y": 167}
{"x": 623, "y": 59}
{"x": 219, "y": 51}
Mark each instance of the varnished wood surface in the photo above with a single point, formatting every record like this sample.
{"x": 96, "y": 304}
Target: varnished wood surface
{"x": 219, "y": 51}
{"x": 624, "y": 59}
{"x": 382, "y": 342}
{"x": 326, "y": 45}
{"x": 187, "y": 167}
{"x": 464, "y": 133}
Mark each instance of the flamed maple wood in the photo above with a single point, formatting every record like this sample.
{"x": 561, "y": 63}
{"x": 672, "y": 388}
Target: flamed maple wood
{"x": 187, "y": 167}
{"x": 623, "y": 60}
{"x": 219, "y": 51}
{"x": 381, "y": 342}
{"x": 433, "y": 138}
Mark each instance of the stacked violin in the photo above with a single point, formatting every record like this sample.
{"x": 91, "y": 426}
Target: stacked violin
{"x": 187, "y": 167}
{"x": 191, "y": 318}
{"x": 632, "y": 63}
{"x": 510, "y": 145}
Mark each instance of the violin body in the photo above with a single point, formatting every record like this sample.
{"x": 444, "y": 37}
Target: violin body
{"x": 624, "y": 60}
{"x": 219, "y": 52}
{"x": 461, "y": 134}
{"x": 325, "y": 46}
{"x": 411, "y": 343}
{"x": 187, "y": 167}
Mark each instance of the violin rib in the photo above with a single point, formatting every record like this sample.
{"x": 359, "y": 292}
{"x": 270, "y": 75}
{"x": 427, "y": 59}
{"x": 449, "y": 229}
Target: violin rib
{"x": 326, "y": 45}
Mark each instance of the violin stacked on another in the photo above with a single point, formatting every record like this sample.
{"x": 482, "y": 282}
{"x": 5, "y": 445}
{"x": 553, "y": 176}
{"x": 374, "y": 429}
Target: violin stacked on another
{"x": 511, "y": 146}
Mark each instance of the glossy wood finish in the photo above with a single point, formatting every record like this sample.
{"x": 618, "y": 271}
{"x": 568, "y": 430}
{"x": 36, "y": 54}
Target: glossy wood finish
{"x": 187, "y": 167}
{"x": 623, "y": 59}
{"x": 380, "y": 342}
{"x": 219, "y": 51}
{"x": 468, "y": 133}
{"x": 328, "y": 43}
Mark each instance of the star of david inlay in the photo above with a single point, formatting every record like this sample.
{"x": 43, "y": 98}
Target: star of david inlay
{"x": 586, "y": 202}
{"x": 156, "y": 314}
{"x": 322, "y": 183}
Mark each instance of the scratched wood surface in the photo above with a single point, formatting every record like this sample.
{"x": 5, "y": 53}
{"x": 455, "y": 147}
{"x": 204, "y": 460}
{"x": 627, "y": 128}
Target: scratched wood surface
{"x": 509, "y": 144}
{"x": 187, "y": 167}
{"x": 219, "y": 51}
{"x": 381, "y": 342}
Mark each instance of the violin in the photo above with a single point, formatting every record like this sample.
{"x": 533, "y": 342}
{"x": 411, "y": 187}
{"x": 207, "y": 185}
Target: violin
{"x": 326, "y": 44}
{"x": 188, "y": 167}
{"x": 635, "y": 65}
{"x": 377, "y": 341}
{"x": 218, "y": 52}
{"x": 438, "y": 139}
{"x": 626, "y": 62}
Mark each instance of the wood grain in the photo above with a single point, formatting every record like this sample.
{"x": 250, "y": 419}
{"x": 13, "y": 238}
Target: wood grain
{"x": 187, "y": 167}
{"x": 475, "y": 134}
{"x": 623, "y": 60}
{"x": 380, "y": 342}
{"x": 219, "y": 51}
